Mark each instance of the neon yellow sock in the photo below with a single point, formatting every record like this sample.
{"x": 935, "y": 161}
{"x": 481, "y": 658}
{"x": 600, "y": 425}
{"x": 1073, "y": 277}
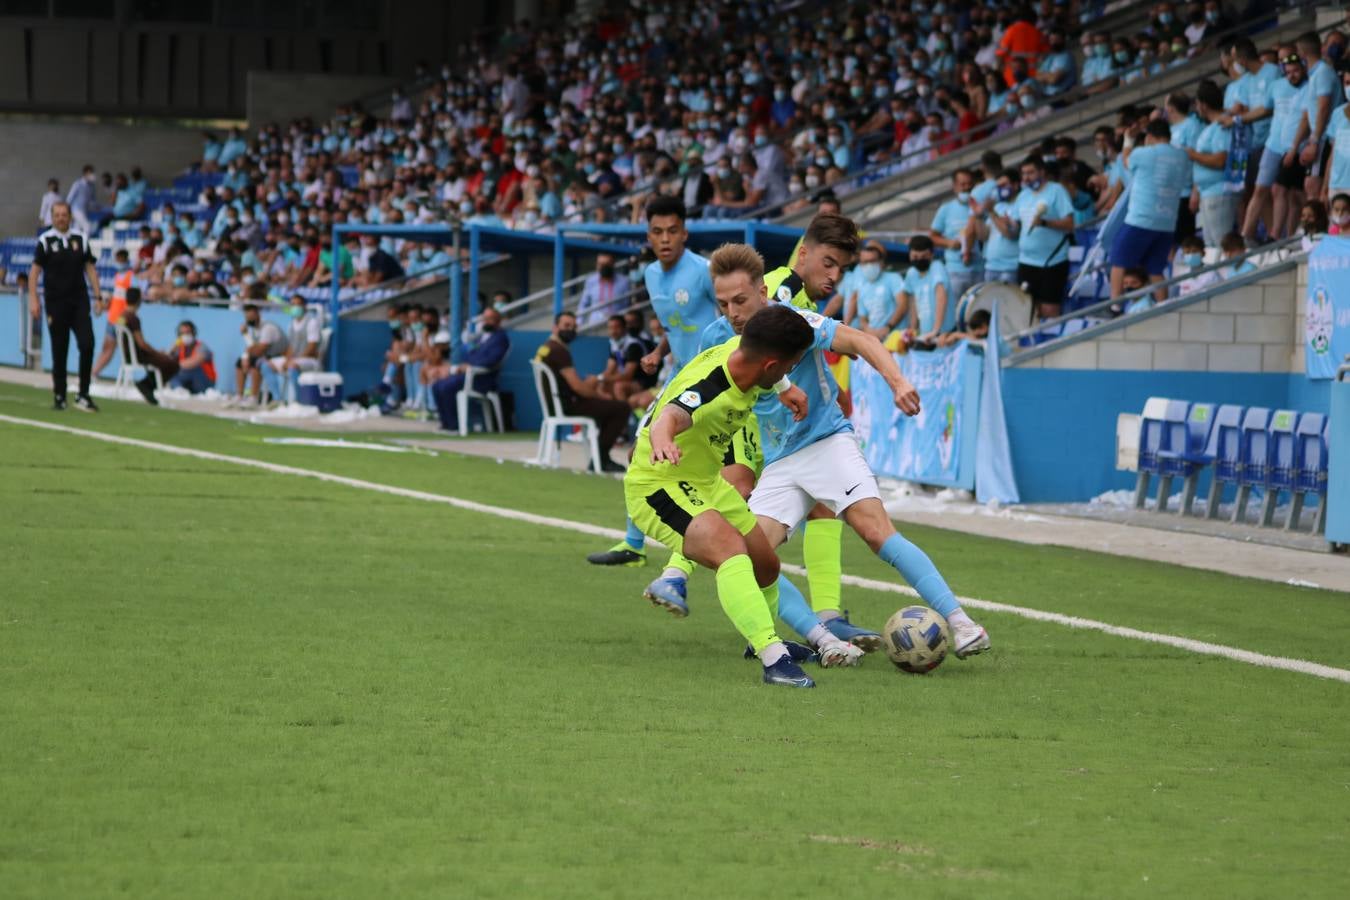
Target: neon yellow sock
{"x": 771, "y": 598}
{"x": 680, "y": 561}
{"x": 820, "y": 552}
{"x": 744, "y": 602}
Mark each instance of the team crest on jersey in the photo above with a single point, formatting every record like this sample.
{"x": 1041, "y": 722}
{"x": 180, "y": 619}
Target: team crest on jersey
{"x": 682, "y": 297}
{"x": 784, "y": 294}
{"x": 690, "y": 399}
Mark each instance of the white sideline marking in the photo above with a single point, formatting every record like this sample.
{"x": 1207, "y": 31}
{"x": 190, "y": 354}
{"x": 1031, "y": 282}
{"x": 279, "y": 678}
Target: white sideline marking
{"x": 1302, "y": 667}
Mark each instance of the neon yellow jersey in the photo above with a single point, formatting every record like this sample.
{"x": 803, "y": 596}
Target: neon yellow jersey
{"x": 703, "y": 388}
{"x": 786, "y": 286}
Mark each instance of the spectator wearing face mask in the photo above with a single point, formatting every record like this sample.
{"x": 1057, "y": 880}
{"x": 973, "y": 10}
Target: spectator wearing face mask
{"x": 196, "y": 364}
{"x": 1192, "y": 259}
{"x": 303, "y": 335}
{"x": 999, "y": 230}
{"x": 927, "y": 294}
{"x": 1057, "y": 73}
{"x": 1146, "y": 237}
{"x": 603, "y": 292}
{"x": 1099, "y": 66}
{"x": 1313, "y": 223}
{"x": 1338, "y": 221}
{"x": 1324, "y": 93}
{"x": 1186, "y": 127}
{"x": 486, "y": 355}
{"x": 381, "y": 266}
{"x": 875, "y": 301}
{"x": 147, "y": 355}
{"x": 951, "y": 232}
{"x": 1045, "y": 219}
{"x": 581, "y": 396}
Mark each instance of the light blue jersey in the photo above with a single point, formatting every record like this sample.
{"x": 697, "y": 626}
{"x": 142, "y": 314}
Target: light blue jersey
{"x": 1287, "y": 103}
{"x": 1184, "y": 134}
{"x": 1000, "y": 253}
{"x": 779, "y": 435}
{"x": 1256, "y": 95}
{"x": 876, "y": 299}
{"x": 949, "y": 222}
{"x": 984, "y": 190}
{"x": 1214, "y": 139}
{"x": 1159, "y": 173}
{"x": 1098, "y": 68}
{"x": 1322, "y": 82}
{"x": 684, "y": 302}
{"x": 1338, "y": 129}
{"x": 1056, "y": 63}
{"x": 922, "y": 289}
{"x": 1042, "y": 246}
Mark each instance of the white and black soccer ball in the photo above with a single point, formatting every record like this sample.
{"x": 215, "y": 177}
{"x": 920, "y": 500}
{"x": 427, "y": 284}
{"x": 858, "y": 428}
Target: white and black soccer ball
{"x": 916, "y": 639}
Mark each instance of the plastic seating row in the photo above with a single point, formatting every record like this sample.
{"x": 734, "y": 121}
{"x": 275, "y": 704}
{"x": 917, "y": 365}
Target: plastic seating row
{"x": 1281, "y": 451}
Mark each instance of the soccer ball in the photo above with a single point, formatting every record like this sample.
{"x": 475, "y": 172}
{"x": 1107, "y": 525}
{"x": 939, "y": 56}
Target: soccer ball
{"x": 916, "y": 639}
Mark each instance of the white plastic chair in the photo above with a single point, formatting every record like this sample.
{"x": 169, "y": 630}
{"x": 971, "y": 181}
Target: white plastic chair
{"x": 491, "y": 403}
{"x": 549, "y": 453}
{"x": 126, "y": 350}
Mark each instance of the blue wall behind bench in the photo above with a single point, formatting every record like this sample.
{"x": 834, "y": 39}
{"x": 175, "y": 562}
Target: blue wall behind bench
{"x": 1062, "y": 422}
{"x": 588, "y": 354}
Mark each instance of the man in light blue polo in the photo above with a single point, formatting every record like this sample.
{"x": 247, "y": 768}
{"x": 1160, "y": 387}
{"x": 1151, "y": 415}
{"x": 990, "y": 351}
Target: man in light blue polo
{"x": 1158, "y": 172}
{"x": 1045, "y": 229}
{"x": 1280, "y": 173}
{"x": 960, "y": 253}
{"x": 1244, "y": 102}
{"x": 1216, "y": 205}
{"x": 1186, "y": 128}
{"x": 1324, "y": 93}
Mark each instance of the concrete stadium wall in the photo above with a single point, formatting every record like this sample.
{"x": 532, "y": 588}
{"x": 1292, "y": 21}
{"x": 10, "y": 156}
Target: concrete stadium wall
{"x": 35, "y": 150}
{"x": 1244, "y": 347}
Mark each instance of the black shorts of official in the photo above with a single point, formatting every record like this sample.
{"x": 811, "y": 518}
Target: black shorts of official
{"x": 1319, "y": 165}
{"x": 1045, "y": 284}
{"x": 1291, "y": 176}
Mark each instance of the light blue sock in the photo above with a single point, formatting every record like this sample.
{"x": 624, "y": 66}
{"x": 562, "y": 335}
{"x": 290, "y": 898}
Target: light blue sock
{"x": 635, "y": 538}
{"x": 793, "y": 608}
{"x": 916, "y": 568}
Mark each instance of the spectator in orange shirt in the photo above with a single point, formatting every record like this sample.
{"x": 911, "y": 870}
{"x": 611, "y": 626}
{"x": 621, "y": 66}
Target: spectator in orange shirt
{"x": 1024, "y": 41}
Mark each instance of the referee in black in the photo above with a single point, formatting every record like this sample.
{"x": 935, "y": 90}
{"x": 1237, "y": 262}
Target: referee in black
{"x": 64, "y": 261}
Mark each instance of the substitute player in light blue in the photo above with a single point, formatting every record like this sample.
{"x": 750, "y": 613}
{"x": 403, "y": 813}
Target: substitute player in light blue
{"x": 928, "y": 294}
{"x": 682, "y": 299}
{"x": 818, "y": 461}
{"x": 951, "y": 232}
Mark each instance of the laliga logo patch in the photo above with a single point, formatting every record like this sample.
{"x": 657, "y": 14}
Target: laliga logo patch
{"x": 784, "y": 293}
{"x": 812, "y": 319}
{"x": 690, "y": 399}
{"x": 682, "y": 297}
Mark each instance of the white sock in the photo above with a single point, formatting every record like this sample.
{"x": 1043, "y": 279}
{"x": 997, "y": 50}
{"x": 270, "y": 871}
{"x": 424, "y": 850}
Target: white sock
{"x": 959, "y": 617}
{"x": 772, "y": 653}
{"x": 826, "y": 615}
{"x": 672, "y": 572}
{"x": 818, "y": 635}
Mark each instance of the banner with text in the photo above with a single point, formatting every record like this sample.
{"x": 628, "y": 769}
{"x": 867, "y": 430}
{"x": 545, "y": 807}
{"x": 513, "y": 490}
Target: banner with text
{"x": 935, "y": 447}
{"x": 1327, "y": 320}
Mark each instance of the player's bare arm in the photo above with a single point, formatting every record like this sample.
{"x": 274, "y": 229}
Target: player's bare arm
{"x": 667, "y": 426}
{"x": 857, "y": 343}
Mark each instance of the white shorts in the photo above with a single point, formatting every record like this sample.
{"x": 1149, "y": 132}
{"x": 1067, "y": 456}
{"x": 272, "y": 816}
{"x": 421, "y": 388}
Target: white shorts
{"x": 831, "y": 471}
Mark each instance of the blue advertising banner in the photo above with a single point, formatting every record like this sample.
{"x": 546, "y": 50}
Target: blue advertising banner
{"x": 938, "y": 445}
{"x": 1327, "y": 319}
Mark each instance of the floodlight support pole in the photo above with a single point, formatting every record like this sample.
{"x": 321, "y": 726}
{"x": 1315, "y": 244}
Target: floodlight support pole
{"x": 475, "y": 252}
{"x": 456, "y": 297}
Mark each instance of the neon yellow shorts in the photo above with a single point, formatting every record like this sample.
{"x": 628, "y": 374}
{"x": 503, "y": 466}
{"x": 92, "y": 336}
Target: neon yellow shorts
{"x": 744, "y": 448}
{"x": 664, "y": 509}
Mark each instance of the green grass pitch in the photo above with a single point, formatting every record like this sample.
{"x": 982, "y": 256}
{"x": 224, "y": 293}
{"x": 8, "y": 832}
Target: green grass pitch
{"x": 221, "y": 682}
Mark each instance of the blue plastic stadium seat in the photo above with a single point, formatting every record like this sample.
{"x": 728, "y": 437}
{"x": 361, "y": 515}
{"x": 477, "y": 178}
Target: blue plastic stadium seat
{"x": 1280, "y": 460}
{"x": 1309, "y": 469}
{"x": 1152, "y": 431}
{"x": 1225, "y": 449}
{"x": 1254, "y": 451}
{"x": 1186, "y": 454}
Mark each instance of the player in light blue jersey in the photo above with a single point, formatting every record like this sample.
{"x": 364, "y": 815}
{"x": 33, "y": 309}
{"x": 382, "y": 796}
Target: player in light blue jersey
{"x": 682, "y": 299}
{"x": 817, "y": 462}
